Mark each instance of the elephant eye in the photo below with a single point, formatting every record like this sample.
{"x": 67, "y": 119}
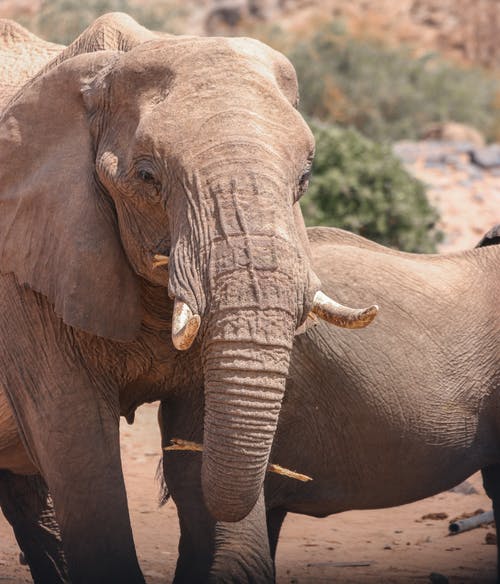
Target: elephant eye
{"x": 146, "y": 176}
{"x": 304, "y": 179}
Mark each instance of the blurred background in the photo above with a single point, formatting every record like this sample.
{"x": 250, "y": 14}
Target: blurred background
{"x": 403, "y": 97}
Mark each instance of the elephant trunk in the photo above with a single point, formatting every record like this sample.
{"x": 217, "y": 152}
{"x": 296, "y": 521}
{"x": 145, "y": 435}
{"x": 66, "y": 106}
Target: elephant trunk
{"x": 244, "y": 386}
{"x": 244, "y": 272}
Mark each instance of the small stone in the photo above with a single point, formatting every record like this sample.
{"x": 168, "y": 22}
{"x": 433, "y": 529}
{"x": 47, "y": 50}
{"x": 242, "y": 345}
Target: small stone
{"x": 491, "y": 538}
{"x": 153, "y": 574}
{"x": 437, "y": 578}
{"x": 387, "y": 547}
{"x": 439, "y": 515}
{"x": 487, "y": 157}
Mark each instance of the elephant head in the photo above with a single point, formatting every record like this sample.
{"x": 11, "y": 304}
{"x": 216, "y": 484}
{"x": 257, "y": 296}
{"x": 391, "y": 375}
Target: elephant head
{"x": 180, "y": 161}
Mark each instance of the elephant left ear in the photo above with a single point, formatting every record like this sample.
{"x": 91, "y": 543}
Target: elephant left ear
{"x": 58, "y": 231}
{"x": 490, "y": 238}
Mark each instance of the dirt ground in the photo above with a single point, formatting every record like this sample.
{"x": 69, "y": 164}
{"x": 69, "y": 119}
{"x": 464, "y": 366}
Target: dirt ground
{"x": 390, "y": 545}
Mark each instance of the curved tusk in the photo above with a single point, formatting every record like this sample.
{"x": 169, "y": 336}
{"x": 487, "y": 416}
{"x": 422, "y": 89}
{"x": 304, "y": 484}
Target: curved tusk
{"x": 185, "y": 325}
{"x": 340, "y": 315}
{"x": 160, "y": 260}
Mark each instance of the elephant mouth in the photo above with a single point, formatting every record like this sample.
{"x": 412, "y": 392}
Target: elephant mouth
{"x": 186, "y": 323}
{"x": 160, "y": 255}
{"x": 160, "y": 260}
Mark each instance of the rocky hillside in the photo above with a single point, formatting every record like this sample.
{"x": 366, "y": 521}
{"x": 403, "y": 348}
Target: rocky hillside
{"x": 463, "y": 183}
{"x": 463, "y": 29}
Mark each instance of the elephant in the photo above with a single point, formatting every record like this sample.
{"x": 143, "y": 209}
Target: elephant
{"x": 400, "y": 411}
{"x": 151, "y": 241}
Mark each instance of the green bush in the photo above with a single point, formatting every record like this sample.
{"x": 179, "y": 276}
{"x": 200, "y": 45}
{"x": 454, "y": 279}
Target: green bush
{"x": 386, "y": 93}
{"x": 362, "y": 187}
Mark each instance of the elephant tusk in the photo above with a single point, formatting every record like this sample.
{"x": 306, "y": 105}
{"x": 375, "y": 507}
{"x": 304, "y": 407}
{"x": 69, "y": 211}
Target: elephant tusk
{"x": 185, "y": 325}
{"x": 160, "y": 260}
{"x": 340, "y": 315}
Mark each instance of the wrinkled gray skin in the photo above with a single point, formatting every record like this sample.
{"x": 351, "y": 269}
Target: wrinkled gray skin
{"x": 380, "y": 417}
{"x": 126, "y": 146}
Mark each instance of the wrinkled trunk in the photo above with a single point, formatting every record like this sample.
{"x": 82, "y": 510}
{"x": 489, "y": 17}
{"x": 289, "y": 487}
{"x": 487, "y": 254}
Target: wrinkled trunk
{"x": 244, "y": 386}
{"x": 244, "y": 270}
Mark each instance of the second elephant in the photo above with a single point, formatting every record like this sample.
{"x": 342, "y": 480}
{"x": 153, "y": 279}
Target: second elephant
{"x": 400, "y": 411}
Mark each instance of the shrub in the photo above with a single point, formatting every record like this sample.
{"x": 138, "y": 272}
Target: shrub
{"x": 362, "y": 187}
{"x": 386, "y": 93}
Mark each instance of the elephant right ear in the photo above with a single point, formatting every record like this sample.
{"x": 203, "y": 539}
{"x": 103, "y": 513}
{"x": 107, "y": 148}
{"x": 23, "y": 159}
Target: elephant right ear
{"x": 490, "y": 238}
{"x": 58, "y": 231}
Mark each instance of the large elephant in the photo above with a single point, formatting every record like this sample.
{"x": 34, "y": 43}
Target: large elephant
{"x": 148, "y": 205}
{"x": 397, "y": 412}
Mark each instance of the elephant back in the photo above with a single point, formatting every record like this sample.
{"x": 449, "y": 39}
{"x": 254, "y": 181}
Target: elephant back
{"x": 22, "y": 55}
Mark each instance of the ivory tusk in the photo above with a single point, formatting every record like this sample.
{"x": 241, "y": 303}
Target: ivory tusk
{"x": 160, "y": 260}
{"x": 340, "y": 315}
{"x": 185, "y": 325}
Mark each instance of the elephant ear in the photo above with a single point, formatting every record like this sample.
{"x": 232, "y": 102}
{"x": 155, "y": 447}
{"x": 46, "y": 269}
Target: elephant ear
{"x": 490, "y": 238}
{"x": 58, "y": 232}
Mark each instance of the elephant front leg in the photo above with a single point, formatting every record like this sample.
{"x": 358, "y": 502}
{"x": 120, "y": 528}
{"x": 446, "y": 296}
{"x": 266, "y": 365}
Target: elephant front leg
{"x": 209, "y": 551}
{"x": 82, "y": 468}
{"x": 27, "y": 506}
{"x": 491, "y": 482}
{"x": 242, "y": 551}
{"x": 182, "y": 418}
{"x": 72, "y": 434}
{"x": 67, "y": 414}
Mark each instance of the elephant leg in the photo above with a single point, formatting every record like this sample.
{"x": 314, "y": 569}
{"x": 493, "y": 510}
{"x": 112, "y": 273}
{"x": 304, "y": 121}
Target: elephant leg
{"x": 84, "y": 475}
{"x": 275, "y": 518}
{"x": 208, "y": 551}
{"x": 491, "y": 482}
{"x": 196, "y": 544}
{"x": 67, "y": 414}
{"x": 72, "y": 436}
{"x": 27, "y": 506}
{"x": 242, "y": 550}
{"x": 182, "y": 475}
{"x": 183, "y": 418}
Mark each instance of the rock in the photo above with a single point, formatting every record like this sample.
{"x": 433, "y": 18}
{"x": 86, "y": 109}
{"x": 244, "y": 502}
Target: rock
{"x": 465, "y": 488}
{"x": 453, "y": 132}
{"x": 440, "y": 515}
{"x": 491, "y": 538}
{"x": 437, "y": 578}
{"x": 487, "y": 157}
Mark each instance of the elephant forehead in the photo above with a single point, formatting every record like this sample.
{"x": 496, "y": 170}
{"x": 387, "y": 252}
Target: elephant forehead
{"x": 185, "y": 55}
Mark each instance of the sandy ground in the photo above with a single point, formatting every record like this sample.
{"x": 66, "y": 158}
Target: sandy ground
{"x": 389, "y": 546}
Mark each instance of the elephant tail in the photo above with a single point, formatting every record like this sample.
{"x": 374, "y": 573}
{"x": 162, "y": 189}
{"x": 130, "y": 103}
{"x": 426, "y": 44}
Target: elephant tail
{"x": 163, "y": 495}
